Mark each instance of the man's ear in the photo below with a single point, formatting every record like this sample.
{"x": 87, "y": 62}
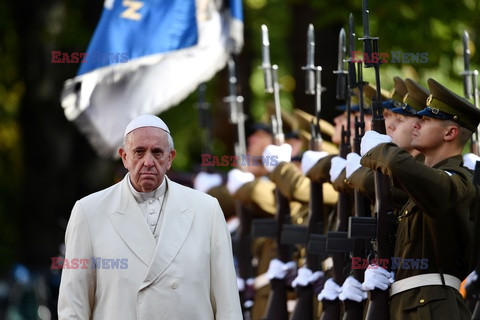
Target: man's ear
{"x": 123, "y": 156}
{"x": 451, "y": 133}
{"x": 171, "y": 156}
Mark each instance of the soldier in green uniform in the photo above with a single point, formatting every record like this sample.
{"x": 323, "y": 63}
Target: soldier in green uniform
{"x": 435, "y": 224}
{"x": 408, "y": 98}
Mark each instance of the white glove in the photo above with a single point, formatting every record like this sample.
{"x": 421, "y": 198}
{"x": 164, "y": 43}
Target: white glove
{"x": 273, "y": 155}
{"x": 371, "y": 139}
{"x": 353, "y": 163}
{"x": 330, "y": 291}
{"x": 338, "y": 164}
{"x": 310, "y": 158}
{"x": 352, "y": 290}
{"x": 205, "y": 181}
{"x": 305, "y": 276}
{"x": 377, "y": 277}
{"x": 472, "y": 277}
{"x": 469, "y": 160}
{"x": 279, "y": 270}
{"x": 237, "y": 178}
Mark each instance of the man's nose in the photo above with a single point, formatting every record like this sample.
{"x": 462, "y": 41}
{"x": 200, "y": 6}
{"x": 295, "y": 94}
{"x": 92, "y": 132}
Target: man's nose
{"x": 148, "y": 160}
{"x": 416, "y": 124}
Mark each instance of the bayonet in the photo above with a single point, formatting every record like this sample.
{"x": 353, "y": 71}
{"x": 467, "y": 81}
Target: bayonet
{"x": 310, "y": 65}
{"x": 470, "y": 87}
{"x": 467, "y": 85}
{"x": 365, "y": 19}
{"x": 352, "y": 76}
{"x": 266, "y": 65}
{"x": 367, "y": 44}
{"x": 277, "y": 124}
{"x": 341, "y": 72}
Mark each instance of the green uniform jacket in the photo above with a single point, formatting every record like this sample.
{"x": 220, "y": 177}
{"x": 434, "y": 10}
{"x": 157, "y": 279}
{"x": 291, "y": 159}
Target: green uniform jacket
{"x": 435, "y": 222}
{"x": 363, "y": 180}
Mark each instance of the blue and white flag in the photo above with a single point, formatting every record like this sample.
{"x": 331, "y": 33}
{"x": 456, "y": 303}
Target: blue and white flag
{"x": 145, "y": 57}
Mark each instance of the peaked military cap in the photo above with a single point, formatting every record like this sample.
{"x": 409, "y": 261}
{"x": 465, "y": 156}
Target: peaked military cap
{"x": 414, "y": 100}
{"x": 446, "y": 105}
{"x": 369, "y": 92}
{"x": 399, "y": 91}
{"x": 355, "y": 103}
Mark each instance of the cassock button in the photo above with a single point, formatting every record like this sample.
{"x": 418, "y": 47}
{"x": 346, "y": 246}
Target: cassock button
{"x": 174, "y": 285}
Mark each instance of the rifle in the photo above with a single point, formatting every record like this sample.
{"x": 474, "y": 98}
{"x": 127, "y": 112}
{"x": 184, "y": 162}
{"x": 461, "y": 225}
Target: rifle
{"x": 338, "y": 243}
{"x": 354, "y": 309}
{"x": 243, "y": 235}
{"x": 378, "y": 307}
{"x": 476, "y": 285}
{"x": 294, "y": 234}
{"x": 469, "y": 81}
{"x": 470, "y": 88}
{"x": 277, "y": 300}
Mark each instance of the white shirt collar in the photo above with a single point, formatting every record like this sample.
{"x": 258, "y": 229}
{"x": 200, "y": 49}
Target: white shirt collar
{"x": 143, "y": 196}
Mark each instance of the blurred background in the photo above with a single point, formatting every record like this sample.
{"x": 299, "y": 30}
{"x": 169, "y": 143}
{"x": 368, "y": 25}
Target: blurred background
{"x": 46, "y": 164}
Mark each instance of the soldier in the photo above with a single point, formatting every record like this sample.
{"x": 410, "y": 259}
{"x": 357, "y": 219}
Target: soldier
{"x": 409, "y": 98}
{"x": 434, "y": 226}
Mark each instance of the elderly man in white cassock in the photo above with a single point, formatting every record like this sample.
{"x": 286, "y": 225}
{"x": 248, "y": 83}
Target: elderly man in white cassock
{"x": 147, "y": 247}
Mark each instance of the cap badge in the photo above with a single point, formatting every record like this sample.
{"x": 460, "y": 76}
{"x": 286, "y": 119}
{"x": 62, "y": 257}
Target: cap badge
{"x": 429, "y": 99}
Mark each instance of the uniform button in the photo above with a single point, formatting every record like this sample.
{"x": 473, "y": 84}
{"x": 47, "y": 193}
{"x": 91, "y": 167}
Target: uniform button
{"x": 422, "y": 300}
{"x": 174, "y": 285}
{"x": 151, "y": 201}
{"x": 152, "y": 211}
{"x": 406, "y": 212}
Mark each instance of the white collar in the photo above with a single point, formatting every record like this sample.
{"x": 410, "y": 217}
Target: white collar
{"x": 143, "y": 196}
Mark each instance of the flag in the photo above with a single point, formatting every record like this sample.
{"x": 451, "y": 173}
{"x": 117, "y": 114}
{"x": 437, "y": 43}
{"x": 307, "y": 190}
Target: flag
{"x": 146, "y": 56}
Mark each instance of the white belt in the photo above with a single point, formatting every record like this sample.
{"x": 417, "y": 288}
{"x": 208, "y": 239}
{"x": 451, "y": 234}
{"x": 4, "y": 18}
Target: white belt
{"x": 429, "y": 279}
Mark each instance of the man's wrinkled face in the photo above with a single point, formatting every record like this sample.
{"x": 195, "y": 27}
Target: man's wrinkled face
{"x": 147, "y": 156}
